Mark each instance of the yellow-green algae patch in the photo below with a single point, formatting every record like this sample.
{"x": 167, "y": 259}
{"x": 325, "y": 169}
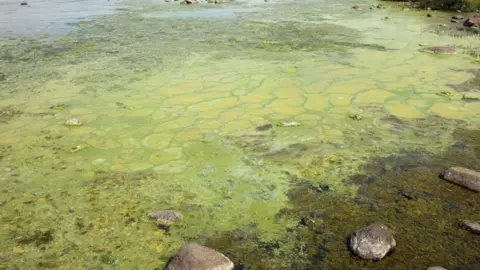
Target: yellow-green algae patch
{"x": 403, "y": 110}
{"x": 157, "y": 141}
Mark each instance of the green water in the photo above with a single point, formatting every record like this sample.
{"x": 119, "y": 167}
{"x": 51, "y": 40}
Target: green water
{"x": 170, "y": 97}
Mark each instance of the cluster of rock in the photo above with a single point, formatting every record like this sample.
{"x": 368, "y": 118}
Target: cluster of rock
{"x": 469, "y": 22}
{"x": 373, "y": 242}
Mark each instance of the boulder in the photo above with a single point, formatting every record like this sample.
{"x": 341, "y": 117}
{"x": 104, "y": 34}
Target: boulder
{"x": 372, "y": 243}
{"x": 463, "y": 177}
{"x": 472, "y": 226}
{"x": 472, "y": 22}
{"x": 197, "y": 257}
{"x": 165, "y": 217}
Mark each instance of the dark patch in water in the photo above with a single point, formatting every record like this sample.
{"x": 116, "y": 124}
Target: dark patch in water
{"x": 403, "y": 191}
{"x": 8, "y": 113}
{"x": 264, "y": 127}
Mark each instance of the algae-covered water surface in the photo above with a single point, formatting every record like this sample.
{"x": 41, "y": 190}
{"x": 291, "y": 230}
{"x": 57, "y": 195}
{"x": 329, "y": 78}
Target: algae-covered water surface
{"x": 181, "y": 108}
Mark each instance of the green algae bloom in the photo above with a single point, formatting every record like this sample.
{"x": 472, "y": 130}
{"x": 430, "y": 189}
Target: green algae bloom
{"x": 186, "y": 109}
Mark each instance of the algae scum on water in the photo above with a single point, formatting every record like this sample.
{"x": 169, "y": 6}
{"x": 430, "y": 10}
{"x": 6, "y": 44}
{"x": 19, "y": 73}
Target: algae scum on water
{"x": 275, "y": 129}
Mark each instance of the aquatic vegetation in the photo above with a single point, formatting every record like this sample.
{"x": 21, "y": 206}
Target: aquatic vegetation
{"x": 181, "y": 112}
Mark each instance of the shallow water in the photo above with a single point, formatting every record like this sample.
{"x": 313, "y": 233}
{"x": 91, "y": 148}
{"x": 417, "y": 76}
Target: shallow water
{"x": 170, "y": 105}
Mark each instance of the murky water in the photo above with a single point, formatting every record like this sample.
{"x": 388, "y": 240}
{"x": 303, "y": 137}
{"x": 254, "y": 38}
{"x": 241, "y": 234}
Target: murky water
{"x": 170, "y": 97}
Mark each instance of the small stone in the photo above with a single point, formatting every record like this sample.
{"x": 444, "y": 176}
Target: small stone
{"x": 454, "y": 21}
{"x": 457, "y": 18}
{"x": 356, "y": 7}
{"x": 372, "y": 243}
{"x": 436, "y": 268}
{"x": 464, "y": 177}
{"x": 197, "y": 257}
{"x": 356, "y": 116}
{"x": 219, "y": 1}
{"x": 191, "y": 1}
{"x": 429, "y": 15}
{"x": 23, "y": 3}
{"x": 165, "y": 217}
{"x": 472, "y": 226}
{"x": 380, "y": 6}
{"x": 72, "y": 122}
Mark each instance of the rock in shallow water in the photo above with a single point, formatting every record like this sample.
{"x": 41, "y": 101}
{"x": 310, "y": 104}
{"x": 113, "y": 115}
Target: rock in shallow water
{"x": 197, "y": 257}
{"x": 372, "y": 243}
{"x": 72, "y": 122}
{"x": 472, "y": 22}
{"x": 472, "y": 226}
{"x": 165, "y": 217}
{"x": 463, "y": 177}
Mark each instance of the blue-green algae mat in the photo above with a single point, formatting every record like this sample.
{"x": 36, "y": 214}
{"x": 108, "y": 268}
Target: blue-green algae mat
{"x": 170, "y": 97}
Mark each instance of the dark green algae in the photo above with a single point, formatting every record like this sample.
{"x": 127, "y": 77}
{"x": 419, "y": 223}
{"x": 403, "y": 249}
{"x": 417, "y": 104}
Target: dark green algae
{"x": 403, "y": 191}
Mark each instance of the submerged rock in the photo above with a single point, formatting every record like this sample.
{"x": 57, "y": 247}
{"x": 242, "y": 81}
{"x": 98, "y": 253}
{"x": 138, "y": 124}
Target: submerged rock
{"x": 472, "y": 22}
{"x": 372, "y": 243}
{"x": 439, "y": 50}
{"x": 264, "y": 127}
{"x": 165, "y": 217}
{"x": 197, "y": 257}
{"x": 72, "y": 122}
{"x": 463, "y": 177}
{"x": 472, "y": 226}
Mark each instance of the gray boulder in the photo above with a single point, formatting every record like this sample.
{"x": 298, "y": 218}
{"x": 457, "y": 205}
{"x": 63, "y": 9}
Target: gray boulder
{"x": 372, "y": 243}
{"x": 197, "y": 257}
{"x": 463, "y": 177}
{"x": 472, "y": 226}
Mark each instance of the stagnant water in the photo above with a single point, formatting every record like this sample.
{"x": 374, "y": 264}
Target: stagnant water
{"x": 170, "y": 97}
